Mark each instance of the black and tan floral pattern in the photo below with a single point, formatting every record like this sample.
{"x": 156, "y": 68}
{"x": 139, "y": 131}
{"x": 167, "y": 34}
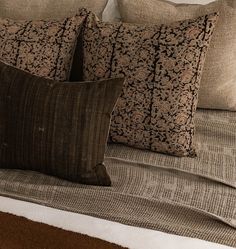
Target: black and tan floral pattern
{"x": 44, "y": 48}
{"x": 162, "y": 66}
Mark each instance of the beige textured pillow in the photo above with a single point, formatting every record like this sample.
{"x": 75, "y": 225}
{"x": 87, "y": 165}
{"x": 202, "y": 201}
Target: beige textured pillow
{"x": 43, "y": 48}
{"x": 48, "y": 9}
{"x": 162, "y": 66}
{"x": 218, "y": 85}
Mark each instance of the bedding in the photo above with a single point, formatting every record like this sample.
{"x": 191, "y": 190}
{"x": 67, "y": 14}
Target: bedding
{"x": 56, "y": 128}
{"x": 162, "y": 66}
{"x": 126, "y": 236}
{"x": 158, "y": 196}
{"x": 150, "y": 190}
{"x": 218, "y": 84}
{"x": 48, "y": 9}
{"x": 43, "y": 48}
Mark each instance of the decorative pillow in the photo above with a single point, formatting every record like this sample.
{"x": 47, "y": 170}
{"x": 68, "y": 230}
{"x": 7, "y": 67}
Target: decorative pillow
{"x": 43, "y": 48}
{"x": 48, "y": 9}
{"x": 162, "y": 66}
{"x": 218, "y": 85}
{"x": 55, "y": 128}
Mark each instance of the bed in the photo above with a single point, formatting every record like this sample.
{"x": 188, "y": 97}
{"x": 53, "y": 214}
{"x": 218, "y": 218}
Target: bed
{"x": 155, "y": 201}
{"x": 156, "y": 195}
{"x": 126, "y": 236}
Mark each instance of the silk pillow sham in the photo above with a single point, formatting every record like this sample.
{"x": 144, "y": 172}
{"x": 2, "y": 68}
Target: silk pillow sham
{"x": 162, "y": 66}
{"x": 43, "y": 48}
{"x": 55, "y": 128}
{"x": 218, "y": 84}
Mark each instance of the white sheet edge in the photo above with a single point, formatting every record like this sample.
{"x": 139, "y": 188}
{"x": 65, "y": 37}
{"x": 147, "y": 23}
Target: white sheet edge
{"x": 126, "y": 236}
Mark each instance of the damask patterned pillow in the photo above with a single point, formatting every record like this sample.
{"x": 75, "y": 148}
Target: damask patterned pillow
{"x": 218, "y": 83}
{"x": 163, "y": 66}
{"x": 56, "y": 128}
{"x": 43, "y": 48}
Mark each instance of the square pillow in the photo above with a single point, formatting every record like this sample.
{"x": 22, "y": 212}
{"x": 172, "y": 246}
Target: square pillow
{"x": 55, "y": 128}
{"x": 162, "y": 66}
{"x": 218, "y": 84}
{"x": 43, "y": 48}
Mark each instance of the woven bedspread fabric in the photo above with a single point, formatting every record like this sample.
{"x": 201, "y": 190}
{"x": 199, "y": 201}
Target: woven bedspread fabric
{"x": 193, "y": 197}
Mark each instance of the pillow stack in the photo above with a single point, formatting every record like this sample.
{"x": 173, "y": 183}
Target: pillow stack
{"x": 60, "y": 128}
{"x": 54, "y": 127}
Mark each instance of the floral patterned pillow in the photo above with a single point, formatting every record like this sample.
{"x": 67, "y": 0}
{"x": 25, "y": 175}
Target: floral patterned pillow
{"x": 43, "y": 48}
{"x": 163, "y": 66}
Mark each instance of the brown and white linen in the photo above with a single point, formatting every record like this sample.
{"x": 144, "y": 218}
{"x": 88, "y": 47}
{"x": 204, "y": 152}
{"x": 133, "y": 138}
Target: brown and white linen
{"x": 43, "y": 48}
{"x": 162, "y": 66}
{"x": 149, "y": 190}
{"x": 218, "y": 84}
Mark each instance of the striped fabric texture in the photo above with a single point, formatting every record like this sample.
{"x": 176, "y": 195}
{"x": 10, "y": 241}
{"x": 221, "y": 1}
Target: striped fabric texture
{"x": 55, "y": 128}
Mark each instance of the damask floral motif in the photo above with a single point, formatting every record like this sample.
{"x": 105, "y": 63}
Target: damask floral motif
{"x": 162, "y": 66}
{"x": 43, "y": 48}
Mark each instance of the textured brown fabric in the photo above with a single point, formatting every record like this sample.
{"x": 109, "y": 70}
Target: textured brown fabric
{"x": 55, "y": 128}
{"x": 193, "y": 197}
{"x": 20, "y": 233}
{"x": 43, "y": 48}
{"x": 162, "y": 66}
{"x": 218, "y": 85}
{"x": 48, "y": 9}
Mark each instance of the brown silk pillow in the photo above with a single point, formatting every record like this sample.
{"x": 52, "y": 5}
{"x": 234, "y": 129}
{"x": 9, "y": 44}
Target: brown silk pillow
{"x": 43, "y": 48}
{"x": 162, "y": 66}
{"x": 55, "y": 128}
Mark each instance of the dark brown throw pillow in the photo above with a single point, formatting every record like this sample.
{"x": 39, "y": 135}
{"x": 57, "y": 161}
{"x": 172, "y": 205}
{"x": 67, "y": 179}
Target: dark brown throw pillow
{"x": 55, "y": 128}
{"x": 162, "y": 65}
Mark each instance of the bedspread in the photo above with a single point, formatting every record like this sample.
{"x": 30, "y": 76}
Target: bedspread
{"x": 194, "y": 197}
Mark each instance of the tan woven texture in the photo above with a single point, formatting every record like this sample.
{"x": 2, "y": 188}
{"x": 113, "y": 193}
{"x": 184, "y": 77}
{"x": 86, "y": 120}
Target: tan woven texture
{"x": 48, "y": 9}
{"x": 152, "y": 190}
{"x": 218, "y": 85}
